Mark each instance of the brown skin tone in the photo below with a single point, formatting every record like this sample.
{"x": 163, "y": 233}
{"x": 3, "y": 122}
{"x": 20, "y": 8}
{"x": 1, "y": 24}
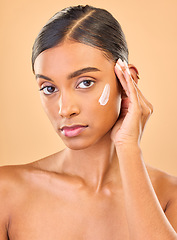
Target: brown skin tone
{"x": 99, "y": 186}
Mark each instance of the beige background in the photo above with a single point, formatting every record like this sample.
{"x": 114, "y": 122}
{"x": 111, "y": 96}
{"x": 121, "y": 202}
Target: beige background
{"x": 151, "y": 31}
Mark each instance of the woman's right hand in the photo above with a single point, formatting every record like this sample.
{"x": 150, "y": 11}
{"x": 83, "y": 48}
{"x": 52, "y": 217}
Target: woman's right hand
{"x": 135, "y": 109}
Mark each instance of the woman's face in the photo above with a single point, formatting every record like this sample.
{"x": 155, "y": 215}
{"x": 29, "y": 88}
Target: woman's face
{"x": 79, "y": 92}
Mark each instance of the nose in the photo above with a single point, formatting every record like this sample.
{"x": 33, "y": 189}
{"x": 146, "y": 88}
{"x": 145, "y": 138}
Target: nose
{"x": 68, "y": 106}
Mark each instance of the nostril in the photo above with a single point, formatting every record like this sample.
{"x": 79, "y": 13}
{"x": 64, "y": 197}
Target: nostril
{"x": 72, "y": 114}
{"x": 69, "y": 112}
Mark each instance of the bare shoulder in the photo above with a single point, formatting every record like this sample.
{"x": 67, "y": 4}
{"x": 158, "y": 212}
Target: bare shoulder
{"x": 166, "y": 189}
{"x": 165, "y": 186}
{"x": 19, "y": 182}
{"x": 10, "y": 182}
{"x": 14, "y": 184}
{"x": 11, "y": 179}
{"x": 19, "y": 185}
{"x": 162, "y": 181}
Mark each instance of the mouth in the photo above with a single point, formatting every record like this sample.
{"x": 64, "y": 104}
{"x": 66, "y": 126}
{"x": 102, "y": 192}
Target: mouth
{"x": 73, "y": 131}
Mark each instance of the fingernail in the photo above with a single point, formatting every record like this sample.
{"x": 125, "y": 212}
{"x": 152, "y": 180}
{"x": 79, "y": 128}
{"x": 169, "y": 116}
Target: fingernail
{"x": 120, "y": 62}
{"x": 118, "y": 66}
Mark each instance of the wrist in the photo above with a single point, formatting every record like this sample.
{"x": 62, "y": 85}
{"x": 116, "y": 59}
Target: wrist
{"x": 129, "y": 152}
{"x": 129, "y": 146}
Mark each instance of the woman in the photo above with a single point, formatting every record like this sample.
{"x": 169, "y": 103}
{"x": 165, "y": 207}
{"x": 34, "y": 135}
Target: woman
{"x": 98, "y": 187}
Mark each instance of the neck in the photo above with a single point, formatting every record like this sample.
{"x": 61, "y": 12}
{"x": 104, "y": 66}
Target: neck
{"x": 97, "y": 165}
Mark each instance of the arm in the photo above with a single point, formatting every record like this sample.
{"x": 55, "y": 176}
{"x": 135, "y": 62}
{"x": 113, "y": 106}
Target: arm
{"x": 3, "y": 232}
{"x": 3, "y": 207}
{"x": 146, "y": 219}
{"x": 171, "y": 211}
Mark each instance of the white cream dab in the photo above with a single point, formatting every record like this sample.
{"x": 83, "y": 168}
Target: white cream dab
{"x": 105, "y": 95}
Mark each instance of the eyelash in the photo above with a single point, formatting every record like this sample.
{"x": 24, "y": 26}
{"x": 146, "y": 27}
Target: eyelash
{"x": 87, "y": 80}
{"x": 45, "y": 87}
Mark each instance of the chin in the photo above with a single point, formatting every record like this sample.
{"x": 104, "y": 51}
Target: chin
{"x": 76, "y": 145}
{"x": 81, "y": 143}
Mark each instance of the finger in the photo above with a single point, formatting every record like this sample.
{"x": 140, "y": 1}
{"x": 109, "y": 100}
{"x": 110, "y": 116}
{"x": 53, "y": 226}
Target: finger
{"x": 124, "y": 107}
{"x": 134, "y": 98}
{"x": 121, "y": 76}
{"x": 143, "y": 98}
{"x": 146, "y": 106}
{"x": 136, "y": 94}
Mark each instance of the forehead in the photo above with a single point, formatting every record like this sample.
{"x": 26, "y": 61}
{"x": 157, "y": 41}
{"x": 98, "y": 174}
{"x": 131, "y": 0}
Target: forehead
{"x": 68, "y": 57}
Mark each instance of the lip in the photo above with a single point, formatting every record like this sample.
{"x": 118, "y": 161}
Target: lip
{"x": 73, "y": 130}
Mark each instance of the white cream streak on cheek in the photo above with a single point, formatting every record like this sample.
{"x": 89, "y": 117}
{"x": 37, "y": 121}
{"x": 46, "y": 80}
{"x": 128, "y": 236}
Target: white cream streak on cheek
{"x": 105, "y": 95}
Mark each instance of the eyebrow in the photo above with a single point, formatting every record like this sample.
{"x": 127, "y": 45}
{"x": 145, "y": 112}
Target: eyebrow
{"x": 81, "y": 71}
{"x": 42, "y": 76}
{"x": 71, "y": 75}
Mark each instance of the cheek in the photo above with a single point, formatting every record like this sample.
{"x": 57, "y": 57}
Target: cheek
{"x": 103, "y": 100}
{"x": 106, "y": 107}
{"x": 110, "y": 99}
{"x": 50, "y": 108}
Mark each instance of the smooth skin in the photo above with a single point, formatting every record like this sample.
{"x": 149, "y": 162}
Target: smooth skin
{"x": 98, "y": 187}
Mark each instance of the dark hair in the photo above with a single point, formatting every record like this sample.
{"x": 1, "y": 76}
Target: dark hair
{"x": 85, "y": 24}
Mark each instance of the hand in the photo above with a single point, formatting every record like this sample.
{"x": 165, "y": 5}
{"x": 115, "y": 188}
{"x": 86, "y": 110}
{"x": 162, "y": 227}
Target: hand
{"x": 135, "y": 109}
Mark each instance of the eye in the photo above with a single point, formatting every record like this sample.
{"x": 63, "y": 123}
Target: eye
{"x": 85, "y": 84}
{"x": 48, "y": 90}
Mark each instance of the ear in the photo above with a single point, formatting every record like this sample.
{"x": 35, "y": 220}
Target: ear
{"x": 134, "y": 72}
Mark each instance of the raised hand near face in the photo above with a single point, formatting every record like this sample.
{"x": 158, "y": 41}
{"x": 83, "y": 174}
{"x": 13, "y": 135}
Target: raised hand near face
{"x": 135, "y": 109}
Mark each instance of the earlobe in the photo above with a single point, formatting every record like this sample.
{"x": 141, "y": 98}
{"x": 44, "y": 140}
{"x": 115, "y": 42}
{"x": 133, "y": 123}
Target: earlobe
{"x": 134, "y": 72}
